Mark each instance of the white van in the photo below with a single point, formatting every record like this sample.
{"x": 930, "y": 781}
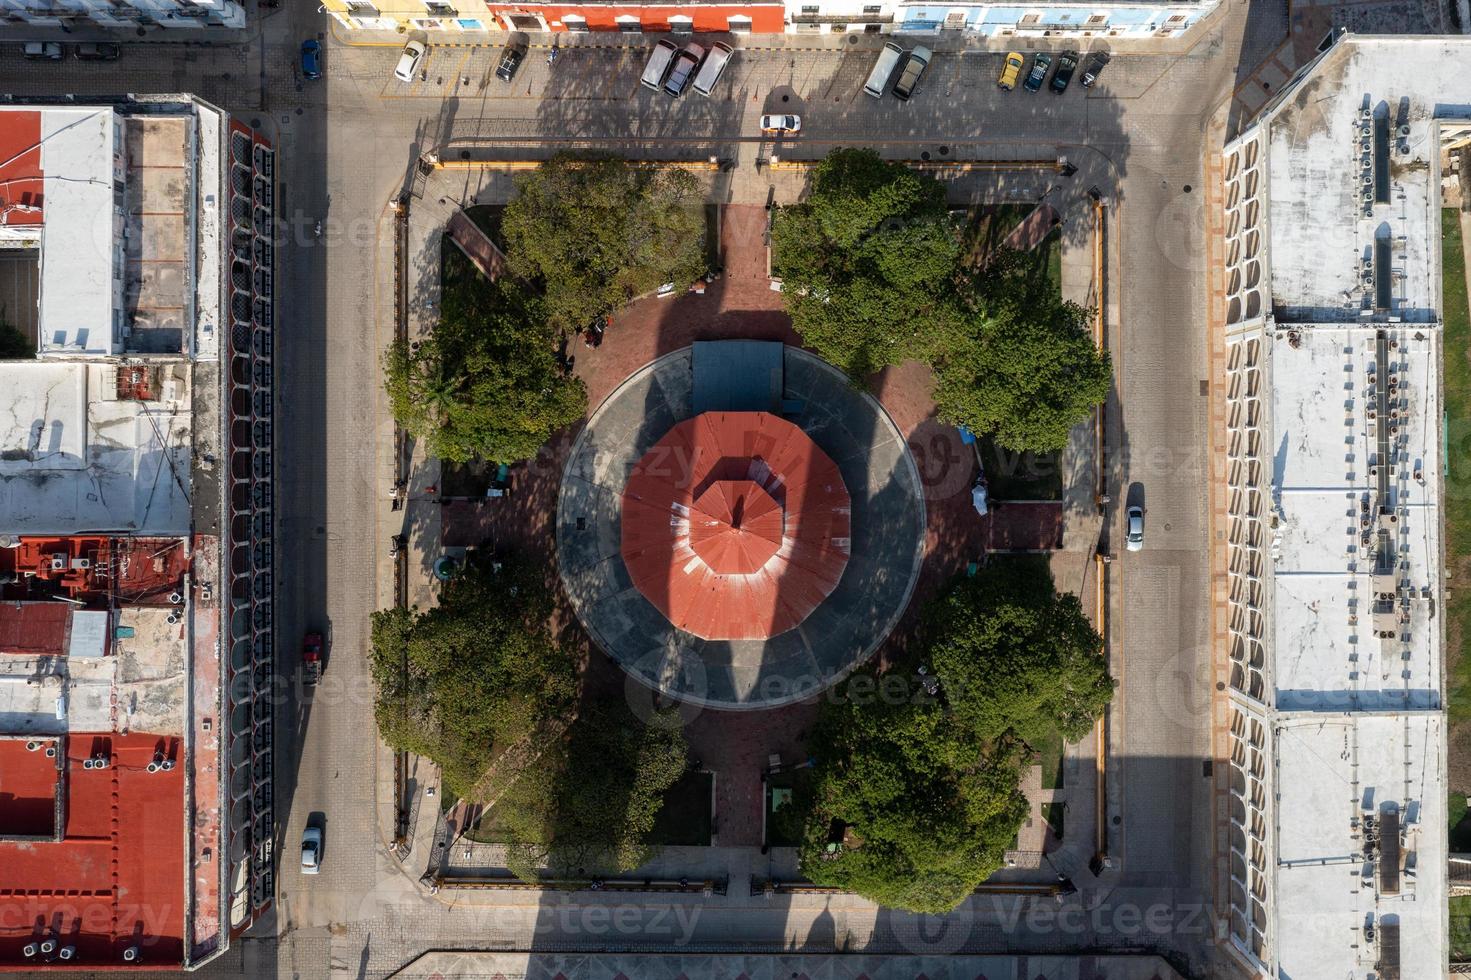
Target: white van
{"x": 658, "y": 65}
{"x": 878, "y": 79}
{"x": 710, "y": 71}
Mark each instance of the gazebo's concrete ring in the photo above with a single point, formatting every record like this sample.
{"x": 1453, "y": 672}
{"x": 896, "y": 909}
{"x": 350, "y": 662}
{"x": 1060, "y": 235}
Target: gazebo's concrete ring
{"x": 886, "y": 549}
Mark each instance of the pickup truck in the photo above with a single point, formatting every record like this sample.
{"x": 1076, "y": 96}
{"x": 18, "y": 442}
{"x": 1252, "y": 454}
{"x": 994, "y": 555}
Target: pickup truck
{"x": 311, "y": 658}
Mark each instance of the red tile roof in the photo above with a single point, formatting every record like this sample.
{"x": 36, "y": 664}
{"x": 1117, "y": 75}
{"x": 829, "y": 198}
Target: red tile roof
{"x": 21, "y": 194}
{"x": 116, "y": 879}
{"x": 34, "y": 628}
{"x": 735, "y": 525}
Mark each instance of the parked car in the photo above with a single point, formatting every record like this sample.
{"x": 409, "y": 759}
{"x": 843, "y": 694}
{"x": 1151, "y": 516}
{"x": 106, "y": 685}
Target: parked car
{"x": 408, "y": 62}
{"x": 1135, "y": 538}
{"x": 1040, "y": 63}
{"x": 1066, "y": 65}
{"x": 683, "y": 69}
{"x": 1010, "y": 71}
{"x": 883, "y": 69}
{"x": 311, "y": 851}
{"x": 658, "y": 64}
{"x": 311, "y": 658}
{"x": 1093, "y": 68}
{"x": 712, "y": 68}
{"x": 42, "y": 50}
{"x": 511, "y": 59}
{"x": 781, "y": 124}
{"x": 311, "y": 59}
{"x": 909, "y": 75}
{"x": 98, "y": 51}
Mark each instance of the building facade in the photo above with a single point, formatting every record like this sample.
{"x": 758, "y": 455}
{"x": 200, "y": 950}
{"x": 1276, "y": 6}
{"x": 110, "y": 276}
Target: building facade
{"x": 136, "y": 532}
{"x": 479, "y": 17}
{"x": 69, "y": 14}
{"x": 1333, "y": 854}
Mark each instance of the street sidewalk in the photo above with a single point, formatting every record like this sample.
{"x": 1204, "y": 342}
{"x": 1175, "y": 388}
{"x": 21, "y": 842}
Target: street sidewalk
{"x": 937, "y": 41}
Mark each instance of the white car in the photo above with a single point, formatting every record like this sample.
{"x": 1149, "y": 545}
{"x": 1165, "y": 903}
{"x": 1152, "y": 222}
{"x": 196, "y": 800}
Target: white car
{"x": 408, "y": 62}
{"x": 1135, "y": 539}
{"x": 311, "y": 851}
{"x": 781, "y": 124}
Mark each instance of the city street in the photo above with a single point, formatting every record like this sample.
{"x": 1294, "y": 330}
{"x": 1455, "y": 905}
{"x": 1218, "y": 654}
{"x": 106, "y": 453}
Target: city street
{"x": 348, "y": 144}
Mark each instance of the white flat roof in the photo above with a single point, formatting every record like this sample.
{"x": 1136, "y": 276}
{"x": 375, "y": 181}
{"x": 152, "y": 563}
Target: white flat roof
{"x": 1332, "y": 770}
{"x": 1318, "y": 231}
{"x": 1322, "y": 448}
{"x": 78, "y": 237}
{"x": 139, "y": 686}
{"x": 74, "y": 457}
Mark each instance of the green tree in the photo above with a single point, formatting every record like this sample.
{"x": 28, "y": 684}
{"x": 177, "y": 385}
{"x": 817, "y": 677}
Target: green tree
{"x": 486, "y": 382}
{"x": 869, "y": 263}
{"x": 595, "y": 231}
{"x": 933, "y": 814}
{"x": 924, "y": 785}
{"x": 15, "y": 345}
{"x": 1016, "y": 658}
{"x": 476, "y": 672}
{"x": 588, "y": 804}
{"x": 1026, "y": 369}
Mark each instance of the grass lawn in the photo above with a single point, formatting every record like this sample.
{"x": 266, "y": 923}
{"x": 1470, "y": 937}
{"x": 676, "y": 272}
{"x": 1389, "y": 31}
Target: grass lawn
{"x": 1020, "y": 476}
{"x": 1049, "y": 757}
{"x": 1460, "y": 928}
{"x": 1460, "y": 824}
{"x": 1457, "y": 502}
{"x": 1053, "y": 813}
{"x": 990, "y": 224}
{"x": 686, "y": 818}
{"x": 782, "y": 827}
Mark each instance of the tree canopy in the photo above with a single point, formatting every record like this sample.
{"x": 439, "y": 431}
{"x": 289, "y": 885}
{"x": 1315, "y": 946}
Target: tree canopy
{"x": 486, "y": 382}
{"x": 595, "y": 231}
{"x": 478, "y": 671}
{"x": 1017, "y": 658}
{"x": 868, "y": 263}
{"x": 933, "y": 814}
{"x": 588, "y": 804}
{"x": 925, "y": 786}
{"x": 874, "y": 273}
{"x": 1028, "y": 369}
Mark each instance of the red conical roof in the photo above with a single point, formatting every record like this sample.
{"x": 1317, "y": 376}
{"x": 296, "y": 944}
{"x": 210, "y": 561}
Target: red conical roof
{"x": 735, "y": 525}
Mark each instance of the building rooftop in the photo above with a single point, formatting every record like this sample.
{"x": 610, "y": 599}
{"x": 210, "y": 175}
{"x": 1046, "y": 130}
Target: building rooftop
{"x": 106, "y": 876}
{"x": 95, "y": 447}
{"x": 735, "y": 525}
{"x": 884, "y": 550}
{"x": 104, "y": 203}
{"x": 1353, "y": 164}
{"x": 1348, "y": 886}
{"x": 1330, "y": 560}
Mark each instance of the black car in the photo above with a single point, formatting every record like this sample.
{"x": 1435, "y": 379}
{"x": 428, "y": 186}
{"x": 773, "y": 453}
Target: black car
{"x": 98, "y": 51}
{"x": 1040, "y": 64}
{"x": 683, "y": 69}
{"x": 1092, "y": 69}
{"x": 511, "y": 59}
{"x": 1066, "y": 65}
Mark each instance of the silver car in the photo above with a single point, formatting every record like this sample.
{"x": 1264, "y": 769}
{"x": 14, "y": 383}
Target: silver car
{"x": 311, "y": 851}
{"x": 1135, "y": 539}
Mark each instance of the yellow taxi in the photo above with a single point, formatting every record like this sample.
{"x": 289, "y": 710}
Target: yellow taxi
{"x": 1010, "y": 72}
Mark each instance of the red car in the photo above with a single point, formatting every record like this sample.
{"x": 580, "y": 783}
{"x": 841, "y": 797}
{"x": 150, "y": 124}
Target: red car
{"x": 311, "y": 658}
